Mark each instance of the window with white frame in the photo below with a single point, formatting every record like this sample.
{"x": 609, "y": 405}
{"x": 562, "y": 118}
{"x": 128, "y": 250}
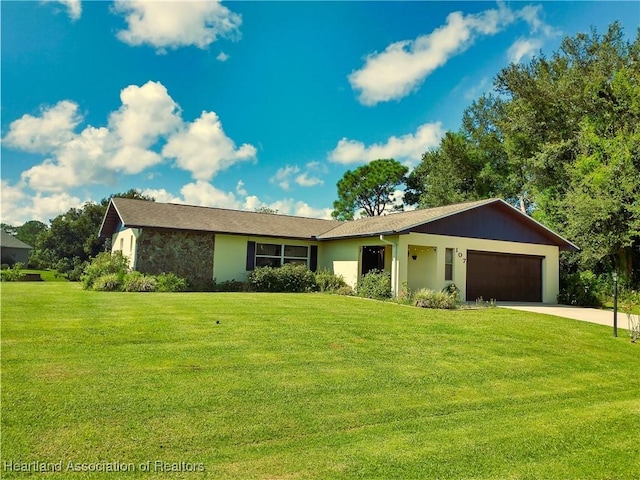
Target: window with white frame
{"x": 275, "y": 255}
{"x": 448, "y": 264}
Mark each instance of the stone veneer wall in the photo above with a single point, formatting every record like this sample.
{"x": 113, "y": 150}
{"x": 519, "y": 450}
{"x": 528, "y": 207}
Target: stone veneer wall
{"x": 187, "y": 254}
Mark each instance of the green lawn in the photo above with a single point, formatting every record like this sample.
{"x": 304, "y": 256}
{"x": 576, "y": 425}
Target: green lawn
{"x": 296, "y": 386}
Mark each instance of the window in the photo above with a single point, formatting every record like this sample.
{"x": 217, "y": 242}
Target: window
{"x": 122, "y": 244}
{"x": 448, "y": 264}
{"x": 273, "y": 255}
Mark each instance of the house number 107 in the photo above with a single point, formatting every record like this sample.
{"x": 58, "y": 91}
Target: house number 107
{"x": 464, "y": 260}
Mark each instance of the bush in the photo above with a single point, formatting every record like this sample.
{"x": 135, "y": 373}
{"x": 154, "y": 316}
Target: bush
{"x": 170, "y": 282}
{"x": 138, "y": 282}
{"x": 232, "y": 286}
{"x": 14, "y": 274}
{"x": 73, "y": 268}
{"x": 287, "y": 278}
{"x": 452, "y": 290}
{"x": 105, "y": 263}
{"x": 375, "y": 284}
{"x": 111, "y": 282}
{"x": 583, "y": 289}
{"x": 427, "y": 298}
{"x": 347, "y": 290}
{"x": 329, "y": 282}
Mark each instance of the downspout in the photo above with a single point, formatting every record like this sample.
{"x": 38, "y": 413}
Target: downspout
{"x": 394, "y": 265}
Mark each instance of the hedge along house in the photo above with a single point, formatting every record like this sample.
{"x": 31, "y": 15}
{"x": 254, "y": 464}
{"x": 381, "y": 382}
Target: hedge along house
{"x": 487, "y": 248}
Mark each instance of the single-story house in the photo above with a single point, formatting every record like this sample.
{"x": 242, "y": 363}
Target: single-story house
{"x": 13, "y": 250}
{"x": 487, "y": 248}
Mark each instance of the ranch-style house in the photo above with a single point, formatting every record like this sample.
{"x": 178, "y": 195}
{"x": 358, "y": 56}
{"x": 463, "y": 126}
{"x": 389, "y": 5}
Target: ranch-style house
{"x": 487, "y": 248}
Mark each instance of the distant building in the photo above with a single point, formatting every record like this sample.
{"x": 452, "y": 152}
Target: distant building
{"x": 13, "y": 250}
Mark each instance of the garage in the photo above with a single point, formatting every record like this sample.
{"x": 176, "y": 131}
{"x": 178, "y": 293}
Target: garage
{"x": 504, "y": 277}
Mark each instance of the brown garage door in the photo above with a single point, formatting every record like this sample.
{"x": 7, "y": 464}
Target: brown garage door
{"x": 504, "y": 277}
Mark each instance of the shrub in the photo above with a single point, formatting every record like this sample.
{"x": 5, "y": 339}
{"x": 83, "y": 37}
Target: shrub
{"x": 287, "y": 278}
{"x": 105, "y": 263}
{"x": 75, "y": 274}
{"x": 170, "y": 282}
{"x": 139, "y": 282}
{"x": 14, "y": 274}
{"x": 630, "y": 303}
{"x": 329, "y": 282}
{"x": 347, "y": 290}
{"x": 583, "y": 289}
{"x": 452, "y": 290}
{"x": 232, "y": 286}
{"x": 111, "y": 282}
{"x": 375, "y": 284}
{"x": 427, "y": 298}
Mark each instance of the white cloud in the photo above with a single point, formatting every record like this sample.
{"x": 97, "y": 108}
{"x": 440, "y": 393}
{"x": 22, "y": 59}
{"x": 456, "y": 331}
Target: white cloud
{"x": 18, "y": 206}
{"x": 74, "y": 7}
{"x": 223, "y": 57}
{"x": 81, "y": 160}
{"x": 523, "y": 48}
{"x": 96, "y": 155}
{"x": 289, "y": 206}
{"x": 408, "y": 148}
{"x": 205, "y": 194}
{"x": 162, "y": 195}
{"x": 304, "y": 180}
{"x": 289, "y": 174}
{"x": 203, "y": 148}
{"x": 147, "y": 112}
{"x": 403, "y": 66}
{"x": 283, "y": 176}
{"x": 53, "y": 128}
{"x": 240, "y": 190}
{"x": 174, "y": 24}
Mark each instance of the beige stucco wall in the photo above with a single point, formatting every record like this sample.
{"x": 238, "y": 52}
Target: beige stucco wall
{"x": 125, "y": 241}
{"x": 428, "y": 270}
{"x": 342, "y": 257}
{"x": 230, "y": 254}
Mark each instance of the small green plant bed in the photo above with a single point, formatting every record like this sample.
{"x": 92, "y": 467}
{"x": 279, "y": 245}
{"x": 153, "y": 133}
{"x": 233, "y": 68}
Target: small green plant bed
{"x": 254, "y": 385}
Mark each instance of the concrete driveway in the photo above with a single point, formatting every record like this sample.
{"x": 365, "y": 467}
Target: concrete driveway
{"x": 593, "y": 315}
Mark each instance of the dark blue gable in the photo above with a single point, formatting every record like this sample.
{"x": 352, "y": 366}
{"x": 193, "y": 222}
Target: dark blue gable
{"x": 495, "y": 221}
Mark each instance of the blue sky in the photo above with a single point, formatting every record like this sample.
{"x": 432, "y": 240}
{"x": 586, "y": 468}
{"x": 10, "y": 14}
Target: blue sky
{"x": 247, "y": 104}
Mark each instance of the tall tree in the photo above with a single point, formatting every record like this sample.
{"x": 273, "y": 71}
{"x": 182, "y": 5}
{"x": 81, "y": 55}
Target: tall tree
{"x": 369, "y": 189}
{"x": 29, "y": 231}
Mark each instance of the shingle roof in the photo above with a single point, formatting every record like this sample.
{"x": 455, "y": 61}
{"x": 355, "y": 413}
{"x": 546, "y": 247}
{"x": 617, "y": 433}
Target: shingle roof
{"x": 9, "y": 241}
{"x": 139, "y": 213}
{"x": 397, "y": 222}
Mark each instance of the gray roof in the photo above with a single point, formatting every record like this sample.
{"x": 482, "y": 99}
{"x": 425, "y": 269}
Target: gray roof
{"x": 9, "y": 241}
{"x": 397, "y": 222}
{"x": 140, "y": 213}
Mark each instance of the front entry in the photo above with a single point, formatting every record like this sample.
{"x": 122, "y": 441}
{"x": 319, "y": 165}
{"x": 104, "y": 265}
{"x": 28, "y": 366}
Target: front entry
{"x": 372, "y": 259}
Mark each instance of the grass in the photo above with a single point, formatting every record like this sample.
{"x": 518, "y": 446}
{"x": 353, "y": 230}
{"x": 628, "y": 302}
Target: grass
{"x": 310, "y": 386}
